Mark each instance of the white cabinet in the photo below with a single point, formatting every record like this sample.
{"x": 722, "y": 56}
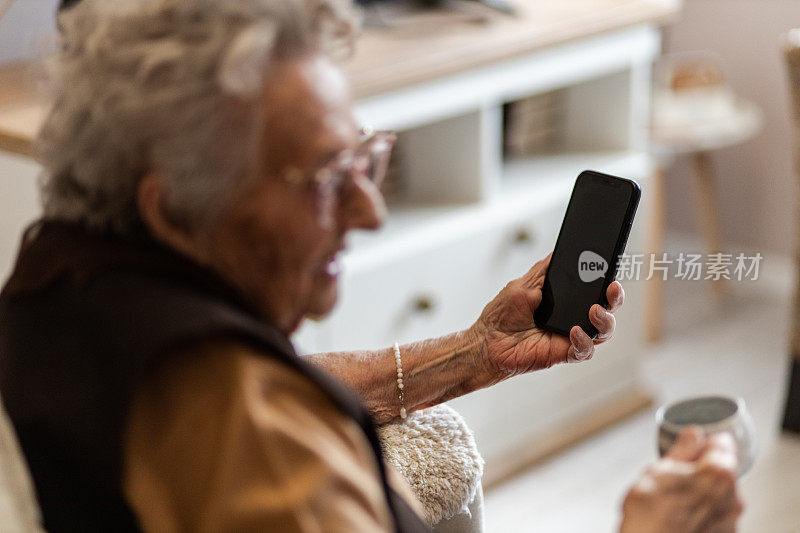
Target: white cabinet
{"x": 441, "y": 286}
{"x": 471, "y": 221}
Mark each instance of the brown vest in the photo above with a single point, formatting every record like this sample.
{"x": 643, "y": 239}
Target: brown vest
{"x": 84, "y": 319}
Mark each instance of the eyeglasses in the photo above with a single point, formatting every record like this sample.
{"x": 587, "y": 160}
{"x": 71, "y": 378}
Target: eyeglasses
{"x": 370, "y": 159}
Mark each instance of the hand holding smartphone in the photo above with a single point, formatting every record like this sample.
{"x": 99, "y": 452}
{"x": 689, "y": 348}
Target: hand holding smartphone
{"x": 586, "y": 256}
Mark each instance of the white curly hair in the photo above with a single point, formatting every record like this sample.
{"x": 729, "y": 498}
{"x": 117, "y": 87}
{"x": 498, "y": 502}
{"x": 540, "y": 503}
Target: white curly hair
{"x": 173, "y": 86}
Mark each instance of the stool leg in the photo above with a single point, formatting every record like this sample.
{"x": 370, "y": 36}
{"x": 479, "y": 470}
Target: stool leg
{"x": 655, "y": 245}
{"x": 706, "y": 207}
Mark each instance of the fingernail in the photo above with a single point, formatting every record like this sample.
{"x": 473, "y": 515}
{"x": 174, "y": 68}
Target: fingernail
{"x": 694, "y": 435}
{"x": 724, "y": 439}
{"x": 581, "y": 356}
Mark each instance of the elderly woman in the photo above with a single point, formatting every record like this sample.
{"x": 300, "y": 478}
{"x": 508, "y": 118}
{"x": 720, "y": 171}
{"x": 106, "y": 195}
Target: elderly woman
{"x": 202, "y": 169}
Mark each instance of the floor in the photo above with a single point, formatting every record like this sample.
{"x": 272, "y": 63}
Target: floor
{"x": 734, "y": 347}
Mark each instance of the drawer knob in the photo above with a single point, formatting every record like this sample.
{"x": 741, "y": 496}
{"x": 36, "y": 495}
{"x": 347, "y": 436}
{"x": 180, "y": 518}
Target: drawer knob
{"x": 423, "y": 304}
{"x": 523, "y": 236}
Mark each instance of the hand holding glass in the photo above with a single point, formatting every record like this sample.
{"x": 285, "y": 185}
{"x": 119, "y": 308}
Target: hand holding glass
{"x": 712, "y": 414}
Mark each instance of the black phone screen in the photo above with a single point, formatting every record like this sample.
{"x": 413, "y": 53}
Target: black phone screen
{"x": 593, "y": 235}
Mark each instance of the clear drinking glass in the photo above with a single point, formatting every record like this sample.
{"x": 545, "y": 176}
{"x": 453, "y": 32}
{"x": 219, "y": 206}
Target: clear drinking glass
{"x": 712, "y": 414}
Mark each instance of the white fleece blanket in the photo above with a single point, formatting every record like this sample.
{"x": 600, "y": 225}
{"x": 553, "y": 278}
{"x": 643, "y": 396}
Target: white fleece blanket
{"x": 435, "y": 452}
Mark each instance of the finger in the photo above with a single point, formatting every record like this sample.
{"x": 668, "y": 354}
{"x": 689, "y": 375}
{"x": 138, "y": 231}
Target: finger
{"x": 728, "y": 523}
{"x": 724, "y": 516}
{"x": 715, "y": 487}
{"x": 723, "y": 442}
{"x": 582, "y": 347}
{"x": 615, "y": 295}
{"x": 720, "y": 452}
{"x": 534, "y": 278}
{"x": 671, "y": 476}
{"x": 716, "y": 477}
{"x": 534, "y": 298}
{"x": 689, "y": 445}
{"x": 726, "y": 526}
{"x": 603, "y": 321}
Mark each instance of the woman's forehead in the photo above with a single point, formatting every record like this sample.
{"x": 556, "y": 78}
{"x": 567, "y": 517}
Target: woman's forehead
{"x": 307, "y": 89}
{"x": 308, "y": 107}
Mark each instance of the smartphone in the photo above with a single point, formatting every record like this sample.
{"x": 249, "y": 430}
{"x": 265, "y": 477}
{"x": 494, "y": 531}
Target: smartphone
{"x": 585, "y": 260}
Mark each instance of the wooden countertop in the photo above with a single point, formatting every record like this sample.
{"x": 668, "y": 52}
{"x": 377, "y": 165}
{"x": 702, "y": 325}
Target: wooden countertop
{"x": 21, "y": 110}
{"x": 393, "y": 58}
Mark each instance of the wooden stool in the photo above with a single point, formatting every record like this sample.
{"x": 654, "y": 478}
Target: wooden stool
{"x": 697, "y": 141}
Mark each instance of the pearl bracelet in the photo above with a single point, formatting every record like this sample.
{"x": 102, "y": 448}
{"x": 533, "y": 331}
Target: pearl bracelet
{"x": 402, "y": 397}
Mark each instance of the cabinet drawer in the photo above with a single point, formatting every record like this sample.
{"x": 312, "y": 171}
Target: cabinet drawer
{"x": 516, "y": 245}
{"x": 423, "y": 295}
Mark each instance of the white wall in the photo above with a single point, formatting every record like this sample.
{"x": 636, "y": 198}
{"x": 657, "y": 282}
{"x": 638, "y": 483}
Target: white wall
{"x": 27, "y": 29}
{"x": 25, "y": 32}
{"x": 755, "y": 181}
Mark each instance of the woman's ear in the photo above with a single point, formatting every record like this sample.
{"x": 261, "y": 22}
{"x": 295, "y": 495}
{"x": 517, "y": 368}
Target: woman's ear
{"x": 150, "y": 203}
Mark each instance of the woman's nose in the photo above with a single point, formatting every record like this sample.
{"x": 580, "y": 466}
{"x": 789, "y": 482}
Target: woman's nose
{"x": 364, "y": 206}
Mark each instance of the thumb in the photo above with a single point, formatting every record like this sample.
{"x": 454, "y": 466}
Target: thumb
{"x": 534, "y": 298}
{"x": 689, "y": 445}
{"x": 534, "y": 277}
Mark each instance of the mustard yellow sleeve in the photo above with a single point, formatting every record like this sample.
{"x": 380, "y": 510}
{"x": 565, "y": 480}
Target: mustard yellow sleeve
{"x": 225, "y": 440}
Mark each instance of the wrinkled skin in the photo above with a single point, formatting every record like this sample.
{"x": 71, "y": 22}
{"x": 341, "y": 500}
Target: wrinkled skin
{"x": 514, "y": 345}
{"x": 691, "y": 490}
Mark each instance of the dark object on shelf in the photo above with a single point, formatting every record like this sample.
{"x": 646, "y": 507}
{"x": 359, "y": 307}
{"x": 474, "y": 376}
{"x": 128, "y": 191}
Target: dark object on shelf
{"x": 499, "y": 5}
{"x": 791, "y": 414}
{"x": 67, "y": 3}
{"x": 533, "y": 125}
